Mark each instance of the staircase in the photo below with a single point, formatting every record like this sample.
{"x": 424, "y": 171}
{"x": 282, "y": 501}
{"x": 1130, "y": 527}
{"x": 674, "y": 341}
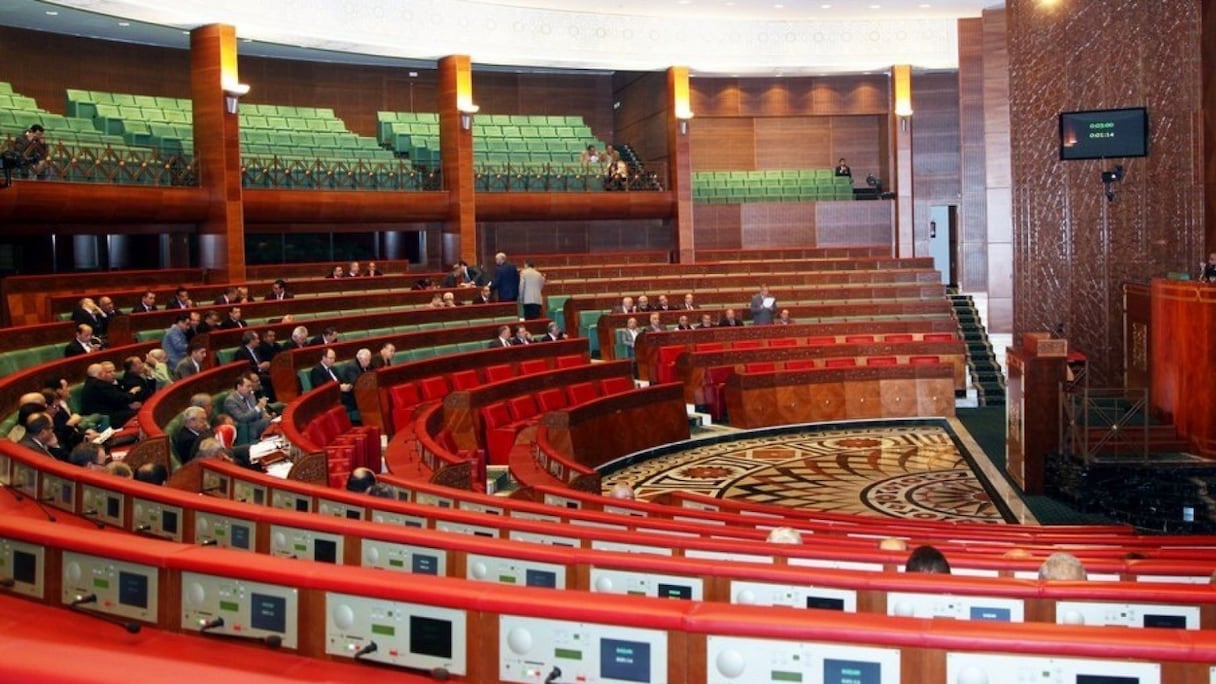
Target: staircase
{"x": 986, "y": 375}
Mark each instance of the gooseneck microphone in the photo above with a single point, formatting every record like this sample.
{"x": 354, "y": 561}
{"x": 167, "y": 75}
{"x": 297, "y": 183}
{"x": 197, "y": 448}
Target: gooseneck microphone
{"x": 371, "y": 647}
{"x": 92, "y": 514}
{"x": 130, "y": 626}
{"x": 213, "y": 623}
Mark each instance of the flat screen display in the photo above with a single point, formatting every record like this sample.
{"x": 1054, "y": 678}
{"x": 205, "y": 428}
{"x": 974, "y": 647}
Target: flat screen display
{"x": 675, "y": 591}
{"x": 302, "y": 505}
{"x": 268, "y": 613}
{"x": 259, "y": 496}
{"x": 240, "y": 537}
{"x": 1106, "y": 679}
{"x": 540, "y": 578}
{"x": 132, "y": 589}
{"x": 825, "y": 603}
{"x": 352, "y": 514}
{"x": 851, "y": 672}
{"x": 626, "y": 661}
{"x": 989, "y": 613}
{"x": 25, "y": 567}
{"x": 430, "y": 637}
{"x": 113, "y": 506}
{"x": 1165, "y": 621}
{"x": 1104, "y": 134}
{"x": 168, "y": 521}
{"x": 423, "y": 564}
{"x": 325, "y": 551}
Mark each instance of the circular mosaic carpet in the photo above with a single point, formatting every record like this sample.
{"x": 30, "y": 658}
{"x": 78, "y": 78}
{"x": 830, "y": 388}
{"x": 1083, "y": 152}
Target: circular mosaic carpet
{"x": 915, "y": 473}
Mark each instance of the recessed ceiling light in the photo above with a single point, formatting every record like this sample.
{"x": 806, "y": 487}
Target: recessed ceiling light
{"x": 778, "y": 6}
{"x": 924, "y": 5}
{"x": 875, "y": 6}
{"x": 52, "y": 13}
{"x": 124, "y": 24}
{"x": 683, "y": 2}
{"x": 825, "y": 7}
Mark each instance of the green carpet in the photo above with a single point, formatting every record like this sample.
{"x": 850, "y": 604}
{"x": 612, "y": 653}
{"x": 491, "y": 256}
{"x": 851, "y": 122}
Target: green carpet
{"x": 987, "y": 428}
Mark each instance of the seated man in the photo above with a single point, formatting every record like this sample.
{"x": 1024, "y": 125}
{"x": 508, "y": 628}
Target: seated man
{"x": 147, "y": 302}
{"x": 278, "y": 291}
{"x": 683, "y": 323}
{"x": 522, "y": 336}
{"x": 553, "y": 334}
{"x": 158, "y": 367}
{"x": 328, "y": 336}
{"x": 385, "y": 356}
{"x": 325, "y": 371}
{"x": 360, "y": 480}
{"x": 40, "y": 436}
{"x": 655, "y": 324}
{"x": 83, "y": 343}
{"x": 136, "y": 379}
{"x": 234, "y": 319}
{"x": 151, "y": 473}
{"x": 348, "y": 374}
{"x": 29, "y": 153}
{"x": 101, "y": 394}
{"x": 193, "y": 430}
{"x": 503, "y": 339}
{"x": 729, "y": 320}
{"x": 245, "y": 410}
{"x": 193, "y": 363}
{"x": 181, "y": 299}
{"x": 707, "y": 321}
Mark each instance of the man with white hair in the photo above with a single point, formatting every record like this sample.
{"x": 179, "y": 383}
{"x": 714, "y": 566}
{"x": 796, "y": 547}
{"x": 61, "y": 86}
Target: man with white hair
{"x": 1062, "y": 567}
{"x": 101, "y": 394}
{"x": 506, "y": 279}
{"x": 349, "y": 373}
{"x": 193, "y": 430}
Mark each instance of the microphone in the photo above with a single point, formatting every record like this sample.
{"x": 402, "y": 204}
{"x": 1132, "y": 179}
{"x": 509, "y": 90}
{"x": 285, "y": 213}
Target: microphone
{"x": 440, "y": 674}
{"x": 92, "y": 514}
{"x": 369, "y": 648}
{"x": 209, "y": 542}
{"x": 13, "y": 490}
{"x": 7, "y": 582}
{"x": 213, "y": 623}
{"x": 130, "y": 626}
{"x": 553, "y": 675}
{"x": 272, "y": 640}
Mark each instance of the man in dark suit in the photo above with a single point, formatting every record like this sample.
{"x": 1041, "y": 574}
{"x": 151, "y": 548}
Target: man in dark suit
{"x": 135, "y": 379}
{"x": 100, "y": 394}
{"x": 248, "y": 352}
{"x": 40, "y": 434}
{"x": 707, "y": 321}
{"x": 683, "y": 324}
{"x": 325, "y": 372}
{"x": 82, "y": 343}
{"x": 234, "y": 319}
{"x": 503, "y": 339}
{"x": 328, "y": 336}
{"x": 146, "y": 303}
{"x": 278, "y": 291}
{"x": 729, "y": 320}
{"x": 87, "y": 312}
{"x": 763, "y": 306}
{"x": 228, "y": 296}
{"x": 506, "y": 279}
{"x": 553, "y": 334}
{"x": 192, "y": 431}
{"x": 181, "y": 299}
{"x": 385, "y": 357}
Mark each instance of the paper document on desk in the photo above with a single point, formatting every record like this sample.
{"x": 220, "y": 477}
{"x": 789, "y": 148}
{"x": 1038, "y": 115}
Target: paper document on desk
{"x": 769, "y": 302}
{"x": 259, "y": 450}
{"x": 279, "y": 469}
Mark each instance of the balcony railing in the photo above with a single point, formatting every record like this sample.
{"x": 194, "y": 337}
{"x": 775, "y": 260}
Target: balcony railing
{"x": 567, "y": 178}
{"x": 356, "y": 174}
{"x": 79, "y": 163}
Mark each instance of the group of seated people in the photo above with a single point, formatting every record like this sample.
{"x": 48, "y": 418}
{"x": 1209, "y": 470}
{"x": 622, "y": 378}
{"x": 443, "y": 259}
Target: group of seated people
{"x": 607, "y": 163}
{"x": 354, "y": 270}
{"x": 520, "y": 335}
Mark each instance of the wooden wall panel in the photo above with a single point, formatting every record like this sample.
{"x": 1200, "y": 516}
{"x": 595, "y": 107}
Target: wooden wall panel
{"x": 833, "y": 95}
{"x": 586, "y": 95}
{"x": 862, "y": 140}
{"x": 720, "y": 143}
{"x": 42, "y": 65}
{"x": 1208, "y": 153}
{"x": 971, "y": 266}
{"x": 639, "y": 120}
{"x": 1073, "y": 250}
{"x": 936, "y": 154}
{"x": 800, "y": 142}
{"x": 718, "y": 226}
{"x": 536, "y": 238}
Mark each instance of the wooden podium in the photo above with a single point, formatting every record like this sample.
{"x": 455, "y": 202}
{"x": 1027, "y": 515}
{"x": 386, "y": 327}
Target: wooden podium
{"x": 1032, "y": 414}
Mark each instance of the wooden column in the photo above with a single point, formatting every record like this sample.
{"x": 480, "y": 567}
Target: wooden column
{"x": 217, "y": 147}
{"x": 901, "y": 148}
{"x": 456, "y": 149}
{"x": 679, "y": 173}
{"x": 1208, "y": 49}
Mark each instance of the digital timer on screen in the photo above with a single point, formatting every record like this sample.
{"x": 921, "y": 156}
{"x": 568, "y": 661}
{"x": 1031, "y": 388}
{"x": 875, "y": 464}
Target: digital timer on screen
{"x": 1104, "y": 134}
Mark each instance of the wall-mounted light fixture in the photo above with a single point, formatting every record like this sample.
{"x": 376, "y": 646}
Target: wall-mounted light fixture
{"x": 466, "y": 115}
{"x": 233, "y": 93}
{"x": 901, "y": 76}
{"x": 681, "y": 104}
{"x": 683, "y": 119}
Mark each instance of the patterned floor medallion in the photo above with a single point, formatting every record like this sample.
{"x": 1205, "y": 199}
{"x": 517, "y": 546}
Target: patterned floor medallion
{"x": 911, "y": 472}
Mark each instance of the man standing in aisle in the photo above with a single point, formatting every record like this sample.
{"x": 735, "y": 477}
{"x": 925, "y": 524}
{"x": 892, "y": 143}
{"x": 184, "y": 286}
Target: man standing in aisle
{"x": 531, "y": 286}
{"x": 506, "y": 279}
{"x": 763, "y": 307}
